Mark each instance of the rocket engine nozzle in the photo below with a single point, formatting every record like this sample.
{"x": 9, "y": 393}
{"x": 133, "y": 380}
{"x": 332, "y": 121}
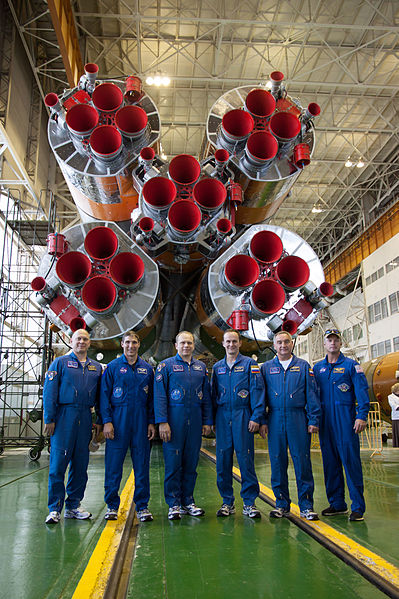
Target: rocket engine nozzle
{"x": 91, "y": 71}
{"x": 292, "y": 272}
{"x": 131, "y": 121}
{"x": 240, "y": 272}
{"x": 290, "y": 326}
{"x": 99, "y": 295}
{"x": 210, "y": 194}
{"x": 326, "y": 289}
{"x": 52, "y": 101}
{"x": 266, "y": 247}
{"x": 77, "y": 323}
{"x": 260, "y": 150}
{"x": 184, "y": 170}
{"x": 127, "y": 270}
{"x": 158, "y": 194}
{"x": 146, "y": 225}
{"x": 267, "y": 297}
{"x": 311, "y": 112}
{"x": 82, "y": 119}
{"x": 184, "y": 218}
{"x": 107, "y": 98}
{"x": 276, "y": 79}
{"x": 285, "y": 126}
{"x": 106, "y": 142}
{"x": 146, "y": 158}
{"x": 73, "y": 269}
{"x": 224, "y": 226}
{"x": 101, "y": 243}
{"x": 260, "y": 104}
{"x": 237, "y": 125}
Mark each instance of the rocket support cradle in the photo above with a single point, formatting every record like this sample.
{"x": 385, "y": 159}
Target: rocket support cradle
{"x": 185, "y": 214}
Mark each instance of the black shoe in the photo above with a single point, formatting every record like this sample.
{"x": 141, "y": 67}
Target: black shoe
{"x": 331, "y": 511}
{"x": 356, "y": 517}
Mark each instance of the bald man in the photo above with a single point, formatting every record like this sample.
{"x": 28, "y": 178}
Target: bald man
{"x": 71, "y": 389}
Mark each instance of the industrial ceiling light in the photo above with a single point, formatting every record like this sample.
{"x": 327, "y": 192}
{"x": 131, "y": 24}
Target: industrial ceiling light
{"x": 158, "y": 80}
{"x": 317, "y": 209}
{"x": 360, "y": 164}
{"x": 348, "y": 163}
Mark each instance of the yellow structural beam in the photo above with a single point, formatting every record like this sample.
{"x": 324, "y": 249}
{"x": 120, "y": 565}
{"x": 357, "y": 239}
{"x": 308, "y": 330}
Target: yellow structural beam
{"x": 65, "y": 29}
{"x": 374, "y": 237}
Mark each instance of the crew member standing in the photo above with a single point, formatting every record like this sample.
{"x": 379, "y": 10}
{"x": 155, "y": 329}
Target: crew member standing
{"x": 238, "y": 398}
{"x": 293, "y": 415}
{"x": 71, "y": 389}
{"x": 183, "y": 410}
{"x": 342, "y": 383}
{"x": 393, "y": 399}
{"x": 127, "y": 412}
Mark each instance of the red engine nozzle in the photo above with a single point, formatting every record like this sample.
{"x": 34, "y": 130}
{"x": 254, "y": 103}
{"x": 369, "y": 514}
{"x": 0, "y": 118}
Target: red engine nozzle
{"x": 210, "y": 194}
{"x": 131, "y": 121}
{"x": 260, "y": 103}
{"x": 101, "y": 243}
{"x": 290, "y": 326}
{"x": 127, "y": 270}
{"x": 237, "y": 125}
{"x": 184, "y": 218}
{"x": 99, "y": 295}
{"x": 107, "y": 97}
{"x": 184, "y": 169}
{"x": 261, "y": 148}
{"x": 326, "y": 289}
{"x": 106, "y": 142}
{"x": 240, "y": 272}
{"x": 38, "y": 284}
{"x": 266, "y": 247}
{"x": 224, "y": 226}
{"x": 81, "y": 119}
{"x": 158, "y": 194}
{"x": 73, "y": 268}
{"x": 77, "y": 323}
{"x": 285, "y": 126}
{"x": 267, "y": 297}
{"x": 292, "y": 272}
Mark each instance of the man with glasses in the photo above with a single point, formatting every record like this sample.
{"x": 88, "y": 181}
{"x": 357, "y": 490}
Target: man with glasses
{"x": 345, "y": 406}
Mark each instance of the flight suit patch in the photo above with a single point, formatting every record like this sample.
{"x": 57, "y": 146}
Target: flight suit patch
{"x": 175, "y": 394}
{"x": 178, "y": 368}
{"x": 118, "y": 392}
{"x": 358, "y": 368}
{"x": 275, "y": 370}
{"x": 323, "y": 369}
{"x": 295, "y": 369}
{"x": 221, "y": 370}
{"x": 238, "y": 369}
{"x": 51, "y": 374}
{"x": 160, "y": 366}
{"x": 123, "y": 370}
{"x": 72, "y": 364}
{"x": 158, "y": 377}
{"x": 142, "y": 371}
{"x": 91, "y": 367}
{"x": 243, "y": 393}
{"x": 344, "y": 387}
{"x": 311, "y": 372}
{"x": 339, "y": 370}
{"x": 255, "y": 369}
{"x": 197, "y": 367}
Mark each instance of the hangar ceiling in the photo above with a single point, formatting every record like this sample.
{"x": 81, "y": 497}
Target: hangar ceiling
{"x": 341, "y": 54}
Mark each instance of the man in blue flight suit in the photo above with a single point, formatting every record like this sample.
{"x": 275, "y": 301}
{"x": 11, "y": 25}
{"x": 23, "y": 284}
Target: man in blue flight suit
{"x": 183, "y": 410}
{"x": 71, "y": 389}
{"x": 238, "y": 398}
{"x": 341, "y": 382}
{"x": 293, "y": 414}
{"x": 127, "y": 413}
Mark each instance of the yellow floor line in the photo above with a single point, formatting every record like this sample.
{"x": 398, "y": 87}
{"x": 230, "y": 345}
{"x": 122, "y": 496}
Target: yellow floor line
{"x": 371, "y": 560}
{"x": 95, "y": 577}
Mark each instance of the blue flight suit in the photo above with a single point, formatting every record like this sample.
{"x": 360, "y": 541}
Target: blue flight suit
{"x": 341, "y": 384}
{"x": 293, "y": 404}
{"x": 70, "y": 391}
{"x": 182, "y": 398}
{"x": 126, "y": 400}
{"x": 238, "y": 396}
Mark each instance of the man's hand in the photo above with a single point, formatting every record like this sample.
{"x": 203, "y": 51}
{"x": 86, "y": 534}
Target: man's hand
{"x": 164, "y": 432}
{"x": 253, "y": 426}
{"x": 263, "y": 430}
{"x": 98, "y": 429}
{"x": 313, "y": 429}
{"x": 206, "y": 430}
{"x": 151, "y": 432}
{"x": 49, "y": 429}
{"x": 359, "y": 425}
{"x": 108, "y": 430}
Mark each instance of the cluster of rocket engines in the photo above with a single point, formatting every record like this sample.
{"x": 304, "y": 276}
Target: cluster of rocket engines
{"x": 142, "y": 215}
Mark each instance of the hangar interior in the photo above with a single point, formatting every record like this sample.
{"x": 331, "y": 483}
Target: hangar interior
{"x": 338, "y": 57}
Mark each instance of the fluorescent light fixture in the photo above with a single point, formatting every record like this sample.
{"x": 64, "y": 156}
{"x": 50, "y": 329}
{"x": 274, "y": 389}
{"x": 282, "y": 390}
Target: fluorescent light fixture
{"x": 348, "y": 163}
{"x": 360, "y": 164}
{"x": 150, "y": 81}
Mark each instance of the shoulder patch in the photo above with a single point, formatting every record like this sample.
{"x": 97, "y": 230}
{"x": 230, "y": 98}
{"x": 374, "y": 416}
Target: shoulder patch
{"x": 255, "y": 369}
{"x": 358, "y": 368}
{"x": 51, "y": 374}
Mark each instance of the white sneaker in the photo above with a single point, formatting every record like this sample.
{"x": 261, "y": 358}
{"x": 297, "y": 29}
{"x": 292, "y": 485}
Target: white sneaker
{"x": 111, "y": 514}
{"x": 174, "y": 513}
{"x": 192, "y": 510}
{"x": 53, "y": 518}
{"x": 78, "y": 514}
{"x": 251, "y": 511}
{"x": 309, "y": 515}
{"x": 144, "y": 515}
{"x": 226, "y": 510}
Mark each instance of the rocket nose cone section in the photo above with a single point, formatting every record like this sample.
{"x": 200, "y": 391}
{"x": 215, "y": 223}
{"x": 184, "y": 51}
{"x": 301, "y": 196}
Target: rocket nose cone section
{"x": 73, "y": 268}
{"x": 292, "y": 272}
{"x": 101, "y": 243}
{"x": 184, "y": 169}
{"x": 99, "y": 294}
{"x": 266, "y": 247}
{"x": 267, "y": 297}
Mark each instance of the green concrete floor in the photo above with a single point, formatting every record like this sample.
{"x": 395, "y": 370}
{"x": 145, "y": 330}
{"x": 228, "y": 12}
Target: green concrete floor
{"x": 213, "y": 558}
{"x": 208, "y": 558}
